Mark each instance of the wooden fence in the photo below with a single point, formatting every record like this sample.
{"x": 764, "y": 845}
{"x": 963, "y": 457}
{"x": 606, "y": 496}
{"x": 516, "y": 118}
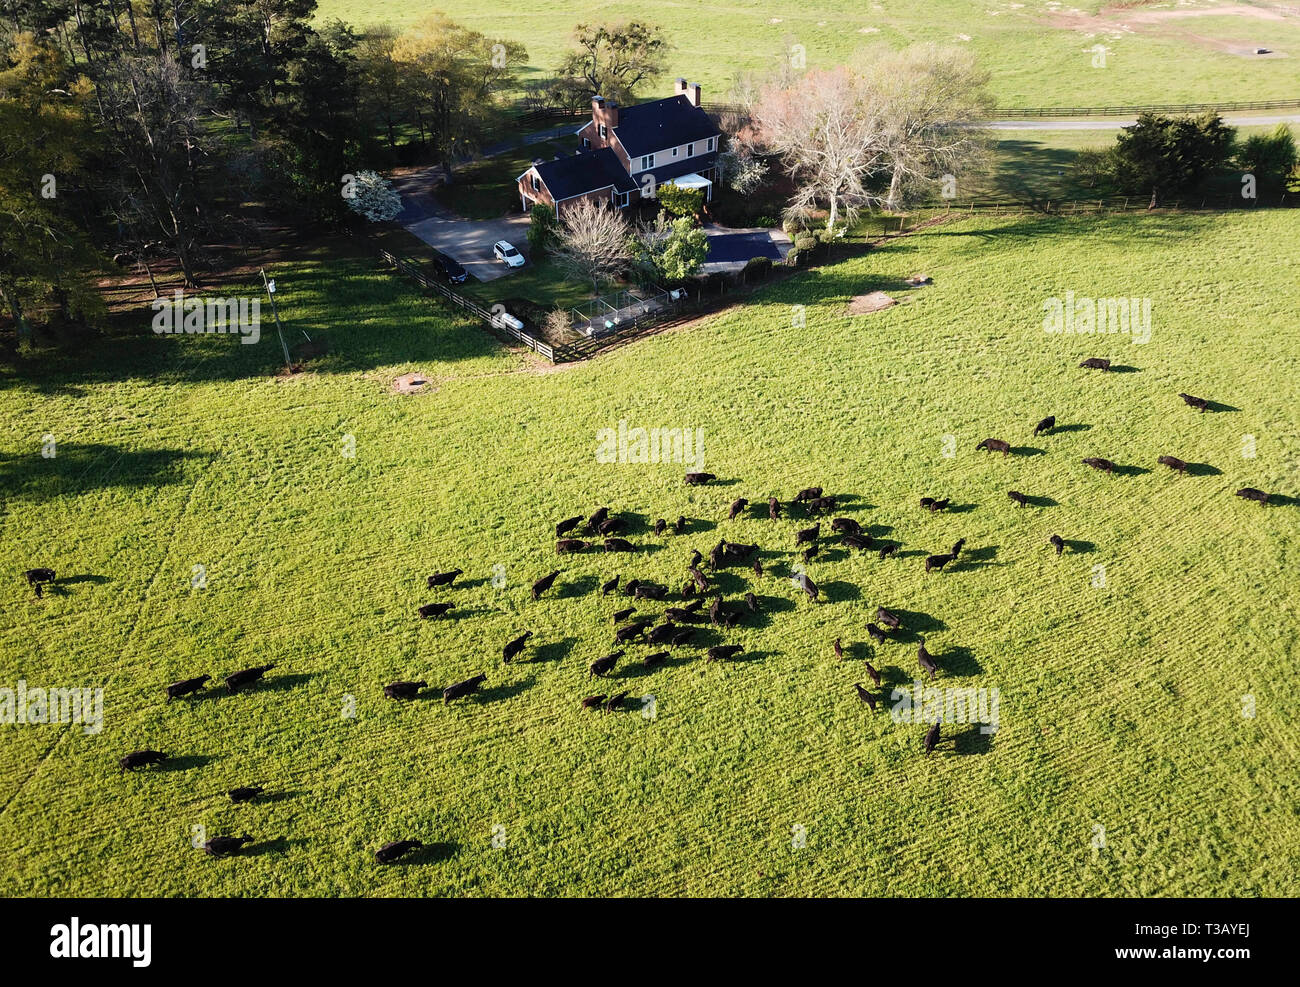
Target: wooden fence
{"x": 492, "y": 320}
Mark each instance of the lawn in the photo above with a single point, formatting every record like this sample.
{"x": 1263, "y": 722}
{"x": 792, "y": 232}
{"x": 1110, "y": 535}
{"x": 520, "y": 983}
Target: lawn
{"x": 1038, "y": 56}
{"x": 1121, "y": 705}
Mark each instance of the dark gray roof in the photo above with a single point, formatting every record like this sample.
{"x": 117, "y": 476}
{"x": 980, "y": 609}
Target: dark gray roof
{"x": 585, "y": 172}
{"x": 648, "y": 127}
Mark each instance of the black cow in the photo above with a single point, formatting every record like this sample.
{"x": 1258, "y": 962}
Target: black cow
{"x": 1096, "y": 363}
{"x": 926, "y": 660}
{"x": 1057, "y": 543}
{"x": 876, "y": 634}
{"x": 683, "y": 636}
{"x": 935, "y": 506}
{"x": 810, "y": 553}
{"x": 591, "y": 702}
{"x": 245, "y": 793}
{"x": 649, "y": 661}
{"x": 513, "y": 648}
{"x": 737, "y": 505}
{"x": 184, "y": 688}
{"x": 701, "y": 580}
{"x": 751, "y": 601}
{"x": 543, "y": 584}
{"x": 430, "y": 610}
{"x": 698, "y": 479}
{"x": 679, "y": 526}
{"x": 937, "y": 562}
{"x": 629, "y": 631}
{"x": 1020, "y": 499}
{"x": 567, "y": 525}
{"x": 808, "y": 493}
{"x": 806, "y": 535}
{"x": 932, "y": 737}
{"x": 246, "y": 677}
{"x": 1200, "y": 404}
{"x": 1173, "y": 462}
{"x": 861, "y": 542}
{"x": 821, "y": 505}
{"x": 846, "y": 525}
{"x": 612, "y": 526}
{"x": 807, "y": 585}
{"x": 224, "y": 846}
{"x": 390, "y": 853}
{"x": 622, "y": 615}
{"x": 650, "y": 591}
{"x": 404, "y": 690}
{"x": 443, "y": 578}
{"x": 839, "y": 649}
{"x": 888, "y": 619}
{"x": 35, "y": 577}
{"x": 758, "y": 567}
{"x": 138, "y": 759}
{"x": 773, "y": 508}
{"x": 619, "y": 545}
{"x": 1097, "y": 463}
{"x": 1250, "y": 493}
{"x": 875, "y": 675}
{"x": 629, "y": 587}
{"x": 1046, "y": 425}
{"x": 603, "y": 666}
{"x": 956, "y": 547}
{"x": 661, "y": 526}
{"x": 614, "y": 701}
{"x": 995, "y": 445}
{"x": 865, "y": 696}
{"x": 887, "y": 550}
{"x": 462, "y": 689}
{"x": 597, "y": 519}
{"x": 609, "y": 587}
{"x": 567, "y": 546}
{"x": 723, "y": 652}
{"x": 663, "y": 633}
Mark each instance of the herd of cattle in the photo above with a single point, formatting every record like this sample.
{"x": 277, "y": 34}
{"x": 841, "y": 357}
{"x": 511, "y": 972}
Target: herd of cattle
{"x": 679, "y": 625}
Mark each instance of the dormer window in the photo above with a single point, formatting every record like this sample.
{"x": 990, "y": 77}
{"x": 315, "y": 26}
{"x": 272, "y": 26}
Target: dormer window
{"x": 604, "y": 131}
{"x": 690, "y": 150}
{"x": 712, "y": 140}
{"x": 647, "y": 162}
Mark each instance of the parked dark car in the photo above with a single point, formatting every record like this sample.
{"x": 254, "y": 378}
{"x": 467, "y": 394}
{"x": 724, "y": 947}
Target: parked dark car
{"x": 452, "y": 271}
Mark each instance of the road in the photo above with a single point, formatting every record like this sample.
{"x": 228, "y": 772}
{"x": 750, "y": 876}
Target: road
{"x": 1112, "y": 124}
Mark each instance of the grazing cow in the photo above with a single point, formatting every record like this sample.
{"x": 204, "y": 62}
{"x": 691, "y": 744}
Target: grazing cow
{"x": 839, "y": 649}
{"x": 939, "y": 505}
{"x": 567, "y": 545}
{"x": 734, "y": 552}
{"x": 701, "y": 580}
{"x": 876, "y": 634}
{"x": 609, "y": 587}
{"x": 1020, "y": 499}
{"x": 737, "y": 505}
{"x": 698, "y": 479}
{"x": 612, "y": 526}
{"x": 223, "y": 846}
{"x": 629, "y": 631}
{"x": 807, "y": 585}
{"x": 995, "y": 445}
{"x": 597, "y": 518}
{"x": 663, "y": 633}
{"x": 956, "y": 547}
{"x": 619, "y": 545}
{"x": 433, "y": 610}
{"x": 683, "y": 636}
{"x": 567, "y": 525}
{"x": 35, "y": 577}
{"x": 543, "y": 584}
{"x": 751, "y": 601}
{"x": 1046, "y": 425}
{"x": 614, "y": 701}
{"x": 717, "y": 555}
{"x": 773, "y": 508}
{"x": 603, "y": 666}
{"x": 808, "y": 493}
{"x": 462, "y": 689}
{"x": 696, "y": 559}
{"x": 932, "y": 737}
{"x": 650, "y": 591}
{"x": 513, "y": 648}
{"x": 184, "y": 688}
{"x": 937, "y": 562}
{"x": 679, "y": 526}
{"x": 758, "y": 567}
{"x": 1250, "y": 493}
{"x": 443, "y": 578}
{"x": 846, "y": 526}
{"x": 622, "y": 615}
{"x": 875, "y": 675}
{"x": 246, "y": 677}
{"x": 715, "y": 610}
{"x": 926, "y": 502}
{"x": 245, "y": 793}
{"x": 38, "y": 589}
{"x": 1200, "y": 404}
{"x": 865, "y": 696}
{"x": 390, "y": 853}
{"x": 887, "y": 550}
{"x": 810, "y": 553}
{"x": 1173, "y": 462}
{"x": 1097, "y": 463}
{"x": 661, "y": 526}
{"x": 684, "y": 614}
{"x": 650, "y": 661}
{"x": 807, "y": 535}
{"x": 591, "y": 702}
{"x": 890, "y": 620}
{"x": 138, "y": 759}
{"x": 404, "y": 690}
{"x": 1096, "y": 363}
{"x": 723, "y": 652}
{"x": 821, "y": 505}
{"x": 629, "y": 587}
{"x": 926, "y": 660}
{"x": 861, "y": 542}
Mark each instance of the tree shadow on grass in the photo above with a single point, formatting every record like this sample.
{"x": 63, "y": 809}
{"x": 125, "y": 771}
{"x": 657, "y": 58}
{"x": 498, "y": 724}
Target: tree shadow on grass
{"x": 79, "y": 469}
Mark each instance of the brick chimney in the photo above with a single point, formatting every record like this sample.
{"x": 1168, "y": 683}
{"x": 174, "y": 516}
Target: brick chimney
{"x": 603, "y": 111}
{"x": 693, "y": 93}
{"x": 680, "y": 88}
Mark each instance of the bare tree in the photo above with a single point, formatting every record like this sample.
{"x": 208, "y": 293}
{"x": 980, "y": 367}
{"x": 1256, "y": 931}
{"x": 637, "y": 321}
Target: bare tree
{"x": 827, "y": 128}
{"x": 593, "y": 242}
{"x": 932, "y": 100}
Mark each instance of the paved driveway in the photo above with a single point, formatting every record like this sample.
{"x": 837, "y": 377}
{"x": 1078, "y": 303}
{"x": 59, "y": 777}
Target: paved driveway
{"x": 469, "y": 242}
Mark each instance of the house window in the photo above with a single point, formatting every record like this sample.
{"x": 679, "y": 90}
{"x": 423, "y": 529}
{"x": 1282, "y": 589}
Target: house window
{"x": 647, "y": 162}
{"x": 621, "y": 199}
{"x": 586, "y": 142}
{"x": 690, "y": 150}
{"x": 711, "y": 141}
{"x": 604, "y": 131}
{"x": 537, "y": 186}
{"x": 674, "y": 152}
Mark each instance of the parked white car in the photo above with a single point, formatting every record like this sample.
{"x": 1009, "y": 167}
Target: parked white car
{"x": 504, "y": 250}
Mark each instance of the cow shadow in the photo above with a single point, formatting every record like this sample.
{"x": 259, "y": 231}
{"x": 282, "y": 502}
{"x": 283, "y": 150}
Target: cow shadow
{"x": 1036, "y": 501}
{"x": 1130, "y": 470}
{"x": 468, "y": 583}
{"x": 859, "y": 651}
{"x": 748, "y": 657}
{"x": 959, "y": 661}
{"x": 838, "y": 590}
{"x": 1216, "y": 406}
{"x": 265, "y": 848}
{"x": 78, "y": 580}
{"x": 1078, "y": 546}
{"x": 972, "y": 741}
{"x": 976, "y": 558}
{"x": 553, "y": 650}
{"x": 430, "y": 853}
{"x": 911, "y": 553}
{"x": 877, "y": 530}
{"x": 282, "y": 683}
{"x": 892, "y": 676}
{"x": 958, "y": 509}
{"x": 1203, "y": 469}
{"x": 1124, "y": 368}
{"x": 186, "y": 762}
{"x": 915, "y": 623}
{"x": 1283, "y": 500}
{"x": 458, "y": 613}
{"x": 271, "y": 798}
{"x": 1027, "y": 451}
{"x": 1072, "y": 427}
{"x": 577, "y": 587}
{"x": 496, "y": 693}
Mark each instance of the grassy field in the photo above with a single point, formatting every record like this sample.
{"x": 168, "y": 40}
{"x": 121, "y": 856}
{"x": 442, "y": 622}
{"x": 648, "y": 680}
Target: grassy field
{"x": 1040, "y": 53}
{"x": 1121, "y": 705}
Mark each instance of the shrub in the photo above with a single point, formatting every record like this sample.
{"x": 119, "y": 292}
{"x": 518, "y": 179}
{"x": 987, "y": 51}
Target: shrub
{"x": 543, "y": 228}
{"x": 759, "y": 267}
{"x": 765, "y": 220}
{"x": 678, "y": 201}
{"x": 805, "y": 242}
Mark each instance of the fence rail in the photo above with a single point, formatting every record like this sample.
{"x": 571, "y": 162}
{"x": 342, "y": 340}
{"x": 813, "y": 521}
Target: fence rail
{"x": 492, "y": 320}
{"x": 1010, "y": 112}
